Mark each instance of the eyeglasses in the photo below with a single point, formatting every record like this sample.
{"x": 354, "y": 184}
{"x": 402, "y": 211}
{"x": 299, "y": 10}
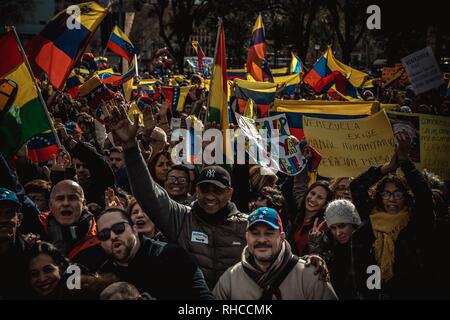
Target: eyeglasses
{"x": 117, "y": 228}
{"x": 396, "y": 194}
{"x": 173, "y": 179}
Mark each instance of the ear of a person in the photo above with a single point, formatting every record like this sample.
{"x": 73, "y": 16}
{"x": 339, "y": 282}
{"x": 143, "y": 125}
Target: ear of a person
{"x": 19, "y": 218}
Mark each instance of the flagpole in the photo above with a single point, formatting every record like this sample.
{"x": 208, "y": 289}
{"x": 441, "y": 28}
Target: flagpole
{"x": 44, "y": 105}
{"x": 211, "y": 85}
{"x": 136, "y": 65}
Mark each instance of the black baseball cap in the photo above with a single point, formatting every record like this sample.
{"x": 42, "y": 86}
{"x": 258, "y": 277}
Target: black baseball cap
{"x": 215, "y": 175}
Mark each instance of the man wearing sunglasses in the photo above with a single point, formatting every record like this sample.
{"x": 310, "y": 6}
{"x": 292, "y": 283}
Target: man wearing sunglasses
{"x": 212, "y": 230}
{"x": 148, "y": 265}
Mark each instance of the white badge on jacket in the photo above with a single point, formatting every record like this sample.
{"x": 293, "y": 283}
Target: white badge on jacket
{"x": 200, "y": 237}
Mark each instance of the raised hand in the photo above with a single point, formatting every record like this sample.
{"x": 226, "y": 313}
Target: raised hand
{"x": 403, "y": 145}
{"x": 163, "y": 108}
{"x": 117, "y": 119}
{"x": 111, "y": 200}
{"x": 150, "y": 120}
{"x": 391, "y": 166}
{"x": 62, "y": 161}
{"x": 317, "y": 230}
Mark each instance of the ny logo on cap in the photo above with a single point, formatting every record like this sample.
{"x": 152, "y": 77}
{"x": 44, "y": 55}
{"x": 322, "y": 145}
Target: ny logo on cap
{"x": 210, "y": 173}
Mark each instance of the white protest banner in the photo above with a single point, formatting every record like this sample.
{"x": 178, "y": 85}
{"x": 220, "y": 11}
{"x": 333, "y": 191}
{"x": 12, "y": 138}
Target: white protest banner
{"x": 423, "y": 70}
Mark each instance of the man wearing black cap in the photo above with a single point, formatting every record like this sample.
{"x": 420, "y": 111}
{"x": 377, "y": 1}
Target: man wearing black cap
{"x": 13, "y": 268}
{"x": 268, "y": 269}
{"x": 212, "y": 230}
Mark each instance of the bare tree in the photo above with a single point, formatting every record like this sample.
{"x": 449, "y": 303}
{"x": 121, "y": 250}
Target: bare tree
{"x": 176, "y": 19}
{"x": 349, "y": 23}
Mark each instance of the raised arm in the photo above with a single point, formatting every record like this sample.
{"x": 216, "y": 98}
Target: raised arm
{"x": 167, "y": 214}
{"x": 423, "y": 196}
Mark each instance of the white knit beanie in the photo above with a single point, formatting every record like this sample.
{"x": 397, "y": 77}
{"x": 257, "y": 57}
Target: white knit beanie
{"x": 341, "y": 211}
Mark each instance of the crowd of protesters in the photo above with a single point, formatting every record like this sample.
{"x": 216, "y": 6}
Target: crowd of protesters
{"x": 114, "y": 207}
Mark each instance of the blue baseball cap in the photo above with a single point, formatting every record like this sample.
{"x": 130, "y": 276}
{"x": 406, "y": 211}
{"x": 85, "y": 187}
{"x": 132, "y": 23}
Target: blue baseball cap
{"x": 266, "y": 215}
{"x": 7, "y": 195}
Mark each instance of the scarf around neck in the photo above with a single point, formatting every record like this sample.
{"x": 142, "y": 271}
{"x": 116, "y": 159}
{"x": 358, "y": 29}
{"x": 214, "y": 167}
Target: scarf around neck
{"x": 386, "y": 228}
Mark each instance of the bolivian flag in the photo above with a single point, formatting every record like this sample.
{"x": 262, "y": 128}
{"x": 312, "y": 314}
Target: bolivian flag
{"x": 218, "y": 107}
{"x": 26, "y": 117}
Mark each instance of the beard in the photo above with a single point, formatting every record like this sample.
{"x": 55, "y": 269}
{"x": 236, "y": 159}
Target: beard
{"x": 264, "y": 257}
{"x": 124, "y": 253}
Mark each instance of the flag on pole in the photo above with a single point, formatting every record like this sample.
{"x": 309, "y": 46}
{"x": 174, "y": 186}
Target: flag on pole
{"x": 26, "y": 117}
{"x": 121, "y": 45}
{"x": 60, "y": 45}
{"x": 200, "y": 54}
{"x": 218, "y": 96}
{"x": 296, "y": 64}
{"x": 257, "y": 64}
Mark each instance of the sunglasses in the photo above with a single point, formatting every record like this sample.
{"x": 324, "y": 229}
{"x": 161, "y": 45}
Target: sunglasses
{"x": 117, "y": 228}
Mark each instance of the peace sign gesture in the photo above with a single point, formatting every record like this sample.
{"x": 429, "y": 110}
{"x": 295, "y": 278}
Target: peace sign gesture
{"x": 317, "y": 230}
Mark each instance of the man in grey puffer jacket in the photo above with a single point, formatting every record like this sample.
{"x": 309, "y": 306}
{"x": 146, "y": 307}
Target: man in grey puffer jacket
{"x": 212, "y": 230}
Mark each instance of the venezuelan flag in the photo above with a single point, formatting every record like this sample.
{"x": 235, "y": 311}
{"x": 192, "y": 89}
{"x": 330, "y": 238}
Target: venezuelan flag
{"x": 101, "y": 62}
{"x": 125, "y": 77}
{"x": 73, "y": 83}
{"x": 236, "y": 73}
{"x": 280, "y": 72}
{"x": 218, "y": 95}
{"x": 145, "y": 88}
{"x": 108, "y": 75}
{"x": 257, "y": 65}
{"x": 176, "y": 96}
{"x": 57, "y": 48}
{"x": 296, "y": 64}
{"x": 26, "y": 117}
{"x": 290, "y": 82}
{"x": 295, "y": 110}
{"x": 42, "y": 147}
{"x": 326, "y": 71}
{"x": 447, "y": 93}
{"x": 262, "y": 93}
{"x": 121, "y": 45}
{"x": 95, "y": 92}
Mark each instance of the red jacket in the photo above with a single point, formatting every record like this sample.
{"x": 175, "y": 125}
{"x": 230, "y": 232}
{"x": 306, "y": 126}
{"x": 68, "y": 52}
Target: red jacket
{"x": 88, "y": 241}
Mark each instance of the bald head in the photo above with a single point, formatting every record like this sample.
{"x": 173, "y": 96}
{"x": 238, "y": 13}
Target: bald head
{"x": 67, "y": 202}
{"x": 158, "y": 139}
{"x": 67, "y": 184}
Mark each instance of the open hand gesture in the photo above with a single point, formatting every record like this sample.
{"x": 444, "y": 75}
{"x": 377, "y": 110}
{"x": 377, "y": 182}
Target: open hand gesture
{"x": 111, "y": 200}
{"x": 403, "y": 145}
{"x": 117, "y": 118}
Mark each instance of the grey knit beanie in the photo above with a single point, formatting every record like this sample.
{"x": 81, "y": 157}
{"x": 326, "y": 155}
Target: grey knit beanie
{"x": 341, "y": 211}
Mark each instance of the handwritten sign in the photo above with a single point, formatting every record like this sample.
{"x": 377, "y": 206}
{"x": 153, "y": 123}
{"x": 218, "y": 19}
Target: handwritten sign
{"x": 423, "y": 70}
{"x": 349, "y": 147}
{"x": 431, "y": 140}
